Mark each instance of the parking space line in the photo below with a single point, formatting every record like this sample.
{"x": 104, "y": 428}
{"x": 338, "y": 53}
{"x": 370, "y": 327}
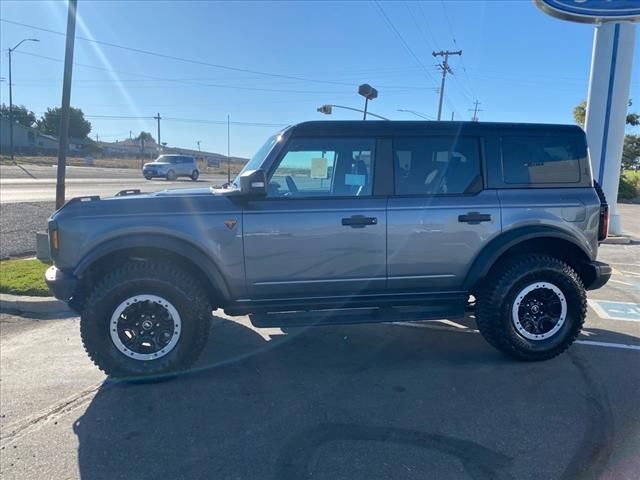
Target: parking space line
{"x": 593, "y": 343}
{"x": 609, "y": 344}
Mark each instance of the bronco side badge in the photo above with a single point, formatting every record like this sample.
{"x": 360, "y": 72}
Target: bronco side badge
{"x": 230, "y": 224}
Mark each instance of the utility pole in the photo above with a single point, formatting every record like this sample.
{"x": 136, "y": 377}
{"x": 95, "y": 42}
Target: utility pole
{"x": 452, "y": 115}
{"x": 198, "y": 142}
{"x": 444, "y": 66}
{"x": 130, "y": 135}
{"x": 475, "y": 111}
{"x": 158, "y": 118}
{"x": 66, "y": 101}
{"x": 11, "y": 94}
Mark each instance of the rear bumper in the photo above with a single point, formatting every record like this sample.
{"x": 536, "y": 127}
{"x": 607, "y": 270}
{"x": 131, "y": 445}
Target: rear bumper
{"x": 61, "y": 284}
{"x": 599, "y": 273}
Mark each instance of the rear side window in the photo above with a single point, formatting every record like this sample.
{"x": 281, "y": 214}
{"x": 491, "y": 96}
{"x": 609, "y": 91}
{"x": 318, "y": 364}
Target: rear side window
{"x": 542, "y": 159}
{"x": 436, "y": 165}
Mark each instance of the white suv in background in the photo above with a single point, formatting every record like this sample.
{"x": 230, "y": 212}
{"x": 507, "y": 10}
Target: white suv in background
{"x": 172, "y": 167}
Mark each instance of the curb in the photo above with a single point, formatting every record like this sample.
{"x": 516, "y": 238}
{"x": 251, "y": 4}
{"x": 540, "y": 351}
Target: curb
{"x": 23, "y": 304}
{"x": 617, "y": 240}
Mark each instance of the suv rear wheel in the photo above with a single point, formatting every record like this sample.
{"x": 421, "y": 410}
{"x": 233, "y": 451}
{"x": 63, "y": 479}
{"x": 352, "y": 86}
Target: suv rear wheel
{"x": 171, "y": 175}
{"x": 533, "y": 307}
{"x": 145, "y": 319}
{"x": 194, "y": 175}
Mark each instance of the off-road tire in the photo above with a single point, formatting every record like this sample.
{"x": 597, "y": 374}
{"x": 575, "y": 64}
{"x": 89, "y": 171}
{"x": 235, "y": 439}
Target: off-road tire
{"x": 136, "y": 278}
{"x": 171, "y": 175}
{"x": 194, "y": 175}
{"x": 496, "y": 299}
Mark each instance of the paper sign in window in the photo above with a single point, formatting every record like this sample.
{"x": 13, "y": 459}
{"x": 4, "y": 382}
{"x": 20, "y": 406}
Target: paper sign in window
{"x": 319, "y": 168}
{"x": 354, "y": 179}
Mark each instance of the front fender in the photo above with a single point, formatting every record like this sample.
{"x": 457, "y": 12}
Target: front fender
{"x": 176, "y": 246}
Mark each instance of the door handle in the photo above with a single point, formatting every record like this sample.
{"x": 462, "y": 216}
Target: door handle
{"x": 359, "y": 221}
{"x": 473, "y": 218}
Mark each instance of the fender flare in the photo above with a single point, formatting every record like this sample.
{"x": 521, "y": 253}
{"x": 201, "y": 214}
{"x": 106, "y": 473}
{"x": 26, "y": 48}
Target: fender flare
{"x": 176, "y": 246}
{"x": 499, "y": 245}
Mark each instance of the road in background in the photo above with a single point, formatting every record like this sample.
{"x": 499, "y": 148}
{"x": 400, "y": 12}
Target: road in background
{"x": 36, "y": 183}
{"x": 27, "y": 195}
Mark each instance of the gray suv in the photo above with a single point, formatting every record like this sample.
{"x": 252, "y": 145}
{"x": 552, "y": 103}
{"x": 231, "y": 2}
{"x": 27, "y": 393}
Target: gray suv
{"x": 172, "y": 167}
{"x": 345, "y": 222}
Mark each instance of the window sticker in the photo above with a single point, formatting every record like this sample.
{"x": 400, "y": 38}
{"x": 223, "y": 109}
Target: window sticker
{"x": 354, "y": 179}
{"x": 319, "y": 168}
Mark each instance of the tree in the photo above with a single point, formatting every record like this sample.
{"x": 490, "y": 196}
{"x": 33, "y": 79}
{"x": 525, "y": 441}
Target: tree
{"x": 79, "y": 127}
{"x": 21, "y": 114}
{"x": 146, "y": 136}
{"x": 580, "y": 114}
{"x": 631, "y": 151}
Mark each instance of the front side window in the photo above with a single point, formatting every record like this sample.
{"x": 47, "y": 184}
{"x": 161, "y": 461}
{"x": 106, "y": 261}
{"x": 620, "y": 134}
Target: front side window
{"x": 436, "y": 165}
{"x": 542, "y": 159}
{"x": 324, "y": 167}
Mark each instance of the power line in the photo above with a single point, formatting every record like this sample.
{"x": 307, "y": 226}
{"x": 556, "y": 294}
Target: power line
{"x": 186, "y": 60}
{"x": 455, "y": 42}
{"x": 426, "y": 22}
{"x": 214, "y": 85}
{"x": 171, "y": 119}
{"x": 402, "y": 40}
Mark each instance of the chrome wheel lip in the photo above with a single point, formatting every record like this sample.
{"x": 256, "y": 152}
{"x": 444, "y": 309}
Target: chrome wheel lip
{"x": 173, "y": 312}
{"x": 515, "y": 317}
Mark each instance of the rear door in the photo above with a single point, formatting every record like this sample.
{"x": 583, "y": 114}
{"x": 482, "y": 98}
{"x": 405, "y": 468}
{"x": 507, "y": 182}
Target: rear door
{"x": 320, "y": 231}
{"x": 440, "y": 216}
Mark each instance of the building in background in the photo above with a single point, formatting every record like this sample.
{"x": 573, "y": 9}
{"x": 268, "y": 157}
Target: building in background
{"x": 26, "y": 140}
{"x": 29, "y": 141}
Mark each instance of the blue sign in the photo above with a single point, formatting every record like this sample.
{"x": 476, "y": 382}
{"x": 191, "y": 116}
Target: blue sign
{"x": 592, "y": 11}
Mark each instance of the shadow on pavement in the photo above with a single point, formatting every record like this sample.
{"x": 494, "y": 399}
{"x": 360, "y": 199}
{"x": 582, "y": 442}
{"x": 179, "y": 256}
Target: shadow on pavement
{"x": 374, "y": 402}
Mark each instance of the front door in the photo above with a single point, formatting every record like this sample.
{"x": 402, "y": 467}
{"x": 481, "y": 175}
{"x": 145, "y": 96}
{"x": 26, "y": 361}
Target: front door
{"x": 320, "y": 232}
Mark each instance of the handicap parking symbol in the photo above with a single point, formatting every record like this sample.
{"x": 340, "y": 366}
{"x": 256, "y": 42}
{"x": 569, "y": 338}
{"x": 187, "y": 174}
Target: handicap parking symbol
{"x": 616, "y": 310}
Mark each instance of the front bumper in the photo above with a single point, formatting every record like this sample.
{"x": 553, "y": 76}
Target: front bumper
{"x": 599, "y": 273}
{"x": 61, "y": 284}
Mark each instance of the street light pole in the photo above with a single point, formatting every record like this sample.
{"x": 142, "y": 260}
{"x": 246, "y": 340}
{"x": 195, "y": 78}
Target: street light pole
{"x": 369, "y": 93}
{"x": 11, "y": 94}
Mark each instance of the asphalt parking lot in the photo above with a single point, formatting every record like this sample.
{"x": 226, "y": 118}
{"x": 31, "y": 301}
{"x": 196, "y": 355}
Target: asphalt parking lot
{"x": 423, "y": 400}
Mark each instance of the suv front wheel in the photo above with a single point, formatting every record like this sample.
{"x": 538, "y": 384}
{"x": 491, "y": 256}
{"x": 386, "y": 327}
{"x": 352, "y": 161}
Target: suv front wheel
{"x": 532, "y": 308}
{"x": 145, "y": 319}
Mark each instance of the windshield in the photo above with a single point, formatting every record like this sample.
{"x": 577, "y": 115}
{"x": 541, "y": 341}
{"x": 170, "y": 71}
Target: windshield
{"x": 258, "y": 157}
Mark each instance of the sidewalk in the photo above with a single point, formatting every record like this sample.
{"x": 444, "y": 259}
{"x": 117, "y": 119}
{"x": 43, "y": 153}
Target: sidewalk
{"x": 630, "y": 217}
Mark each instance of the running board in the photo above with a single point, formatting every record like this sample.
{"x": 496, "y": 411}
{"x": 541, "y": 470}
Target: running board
{"x": 348, "y": 316}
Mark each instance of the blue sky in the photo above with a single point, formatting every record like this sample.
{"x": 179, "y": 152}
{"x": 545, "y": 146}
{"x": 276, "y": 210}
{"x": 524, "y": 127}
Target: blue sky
{"x": 521, "y": 64}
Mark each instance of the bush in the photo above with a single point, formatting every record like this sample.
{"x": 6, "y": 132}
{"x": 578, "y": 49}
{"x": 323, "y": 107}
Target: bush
{"x": 629, "y": 187}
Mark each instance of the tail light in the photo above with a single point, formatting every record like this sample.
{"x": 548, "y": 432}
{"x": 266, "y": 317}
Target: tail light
{"x": 603, "y": 226}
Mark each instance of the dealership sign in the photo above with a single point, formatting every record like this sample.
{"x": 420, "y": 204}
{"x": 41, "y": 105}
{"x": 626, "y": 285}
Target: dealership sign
{"x": 592, "y": 11}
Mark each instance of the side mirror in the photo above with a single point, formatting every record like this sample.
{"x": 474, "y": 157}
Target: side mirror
{"x": 253, "y": 183}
